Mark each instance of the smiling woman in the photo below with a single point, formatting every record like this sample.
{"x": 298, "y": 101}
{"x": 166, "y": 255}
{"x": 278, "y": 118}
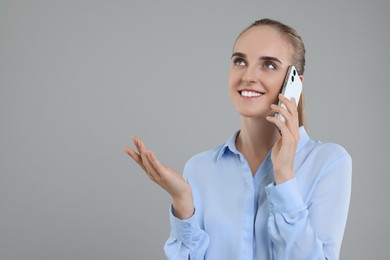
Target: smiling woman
{"x": 264, "y": 194}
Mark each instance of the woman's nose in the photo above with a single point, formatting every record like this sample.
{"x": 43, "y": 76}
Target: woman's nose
{"x": 251, "y": 75}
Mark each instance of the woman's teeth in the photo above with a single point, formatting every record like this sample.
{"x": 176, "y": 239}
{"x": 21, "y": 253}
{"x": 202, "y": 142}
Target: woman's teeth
{"x": 246, "y": 93}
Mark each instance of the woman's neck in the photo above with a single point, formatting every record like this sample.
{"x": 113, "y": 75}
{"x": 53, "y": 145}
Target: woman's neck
{"x": 255, "y": 139}
{"x": 256, "y": 135}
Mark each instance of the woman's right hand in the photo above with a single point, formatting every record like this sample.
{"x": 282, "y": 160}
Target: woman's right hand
{"x": 165, "y": 177}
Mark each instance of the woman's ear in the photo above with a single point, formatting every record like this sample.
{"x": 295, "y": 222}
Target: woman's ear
{"x": 301, "y": 78}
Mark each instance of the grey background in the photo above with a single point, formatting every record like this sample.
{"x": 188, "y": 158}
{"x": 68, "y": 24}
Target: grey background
{"x": 78, "y": 78}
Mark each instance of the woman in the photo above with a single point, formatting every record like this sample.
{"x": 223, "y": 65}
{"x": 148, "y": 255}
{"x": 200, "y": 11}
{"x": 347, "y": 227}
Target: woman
{"x": 263, "y": 194}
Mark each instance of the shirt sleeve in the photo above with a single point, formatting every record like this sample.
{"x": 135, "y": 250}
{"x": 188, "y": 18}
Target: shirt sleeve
{"x": 186, "y": 239}
{"x": 311, "y": 230}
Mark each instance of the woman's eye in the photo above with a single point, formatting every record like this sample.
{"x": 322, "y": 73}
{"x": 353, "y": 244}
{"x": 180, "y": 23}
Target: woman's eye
{"x": 239, "y": 62}
{"x": 269, "y": 65}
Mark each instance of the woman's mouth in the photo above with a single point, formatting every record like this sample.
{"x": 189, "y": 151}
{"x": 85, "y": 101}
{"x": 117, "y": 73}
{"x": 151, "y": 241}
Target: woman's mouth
{"x": 250, "y": 93}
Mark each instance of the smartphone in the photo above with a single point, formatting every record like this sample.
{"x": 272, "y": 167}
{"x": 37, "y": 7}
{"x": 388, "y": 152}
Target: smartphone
{"x": 291, "y": 88}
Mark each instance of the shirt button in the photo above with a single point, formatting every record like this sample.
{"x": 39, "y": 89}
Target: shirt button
{"x": 186, "y": 237}
{"x": 271, "y": 205}
{"x": 186, "y": 226}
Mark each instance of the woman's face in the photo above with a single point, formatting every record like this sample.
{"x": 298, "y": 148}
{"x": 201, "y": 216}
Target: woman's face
{"x": 260, "y": 60}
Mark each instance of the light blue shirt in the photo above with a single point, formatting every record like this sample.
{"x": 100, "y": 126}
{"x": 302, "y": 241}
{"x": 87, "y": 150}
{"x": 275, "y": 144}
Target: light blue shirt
{"x": 241, "y": 216}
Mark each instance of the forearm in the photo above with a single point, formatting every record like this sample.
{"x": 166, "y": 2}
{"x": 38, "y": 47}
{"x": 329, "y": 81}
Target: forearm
{"x": 183, "y": 205}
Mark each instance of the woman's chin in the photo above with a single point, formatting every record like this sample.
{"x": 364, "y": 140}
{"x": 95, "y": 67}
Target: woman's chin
{"x": 253, "y": 114}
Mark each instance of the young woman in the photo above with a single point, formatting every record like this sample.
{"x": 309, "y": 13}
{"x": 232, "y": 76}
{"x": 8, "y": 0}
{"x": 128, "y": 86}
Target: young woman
{"x": 263, "y": 194}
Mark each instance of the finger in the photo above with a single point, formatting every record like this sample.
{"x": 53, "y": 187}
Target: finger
{"x": 141, "y": 148}
{"x": 153, "y": 173}
{"x": 293, "y": 122}
{"x": 136, "y": 157}
{"x": 281, "y": 126}
{"x": 281, "y": 110}
{"x": 289, "y": 111}
{"x": 137, "y": 143}
{"x": 160, "y": 169}
{"x": 291, "y": 105}
{"x": 150, "y": 172}
{"x": 287, "y": 119}
{"x": 133, "y": 154}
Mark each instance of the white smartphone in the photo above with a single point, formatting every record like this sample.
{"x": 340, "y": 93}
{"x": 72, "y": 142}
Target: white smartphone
{"x": 292, "y": 88}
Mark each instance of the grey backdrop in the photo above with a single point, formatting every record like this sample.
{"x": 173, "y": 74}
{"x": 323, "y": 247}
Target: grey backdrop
{"x": 79, "y": 77}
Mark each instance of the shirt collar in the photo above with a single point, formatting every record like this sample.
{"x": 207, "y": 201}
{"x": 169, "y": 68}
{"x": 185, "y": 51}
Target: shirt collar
{"x": 231, "y": 143}
{"x": 304, "y": 137}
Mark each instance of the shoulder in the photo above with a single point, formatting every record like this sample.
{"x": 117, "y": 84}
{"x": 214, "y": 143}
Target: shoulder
{"x": 331, "y": 151}
{"x": 319, "y": 151}
{"x": 323, "y": 162}
{"x": 203, "y": 162}
{"x": 205, "y": 157}
{"x": 324, "y": 156}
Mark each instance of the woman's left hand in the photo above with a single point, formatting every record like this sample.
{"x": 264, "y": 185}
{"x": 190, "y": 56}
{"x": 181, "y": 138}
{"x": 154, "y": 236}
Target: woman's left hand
{"x": 283, "y": 151}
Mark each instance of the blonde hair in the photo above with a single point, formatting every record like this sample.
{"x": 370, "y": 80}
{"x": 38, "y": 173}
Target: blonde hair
{"x": 298, "y": 57}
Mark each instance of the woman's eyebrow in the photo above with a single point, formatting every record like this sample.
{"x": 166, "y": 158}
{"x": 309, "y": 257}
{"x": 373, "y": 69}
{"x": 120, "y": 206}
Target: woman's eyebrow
{"x": 239, "y": 54}
{"x": 270, "y": 58}
{"x": 267, "y": 58}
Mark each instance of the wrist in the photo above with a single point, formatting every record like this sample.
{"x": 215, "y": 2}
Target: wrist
{"x": 183, "y": 206}
{"x": 283, "y": 176}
